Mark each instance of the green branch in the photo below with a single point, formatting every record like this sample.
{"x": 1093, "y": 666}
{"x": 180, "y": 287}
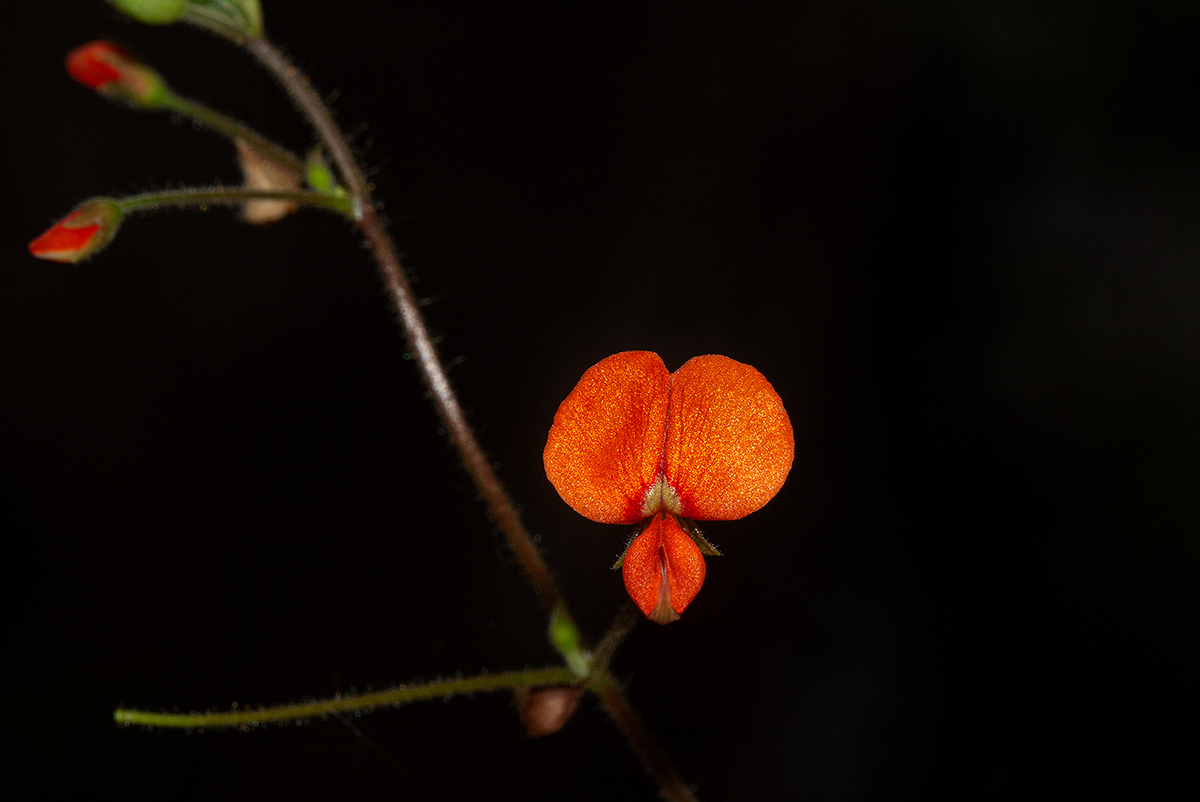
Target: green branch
{"x": 341, "y": 704}
{"x": 233, "y": 196}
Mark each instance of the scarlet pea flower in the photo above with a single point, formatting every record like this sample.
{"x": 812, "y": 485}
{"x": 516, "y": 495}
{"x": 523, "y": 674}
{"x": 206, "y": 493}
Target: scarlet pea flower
{"x": 634, "y": 444}
{"x": 113, "y": 71}
{"x": 81, "y": 233}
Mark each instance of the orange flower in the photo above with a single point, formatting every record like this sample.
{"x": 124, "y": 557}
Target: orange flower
{"x": 634, "y": 444}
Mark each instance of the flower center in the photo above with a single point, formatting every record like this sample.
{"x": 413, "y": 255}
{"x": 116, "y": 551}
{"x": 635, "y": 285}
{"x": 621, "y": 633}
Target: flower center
{"x": 661, "y": 496}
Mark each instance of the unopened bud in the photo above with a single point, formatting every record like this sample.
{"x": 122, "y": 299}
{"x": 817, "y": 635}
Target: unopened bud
{"x": 544, "y": 711}
{"x": 262, "y": 173}
{"x": 114, "y": 72}
{"x": 81, "y": 233}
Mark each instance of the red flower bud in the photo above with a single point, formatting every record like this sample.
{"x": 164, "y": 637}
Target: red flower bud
{"x": 112, "y": 71}
{"x": 80, "y": 234}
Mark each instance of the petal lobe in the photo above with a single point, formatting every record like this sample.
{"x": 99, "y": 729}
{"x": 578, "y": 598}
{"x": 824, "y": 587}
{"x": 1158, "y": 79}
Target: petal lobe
{"x": 605, "y": 448}
{"x": 729, "y": 440}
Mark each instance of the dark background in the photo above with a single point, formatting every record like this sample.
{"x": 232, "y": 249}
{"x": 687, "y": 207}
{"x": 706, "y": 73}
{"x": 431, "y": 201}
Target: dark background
{"x": 960, "y": 239}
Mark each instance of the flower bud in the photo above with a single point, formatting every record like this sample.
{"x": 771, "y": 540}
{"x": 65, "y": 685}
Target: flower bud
{"x": 81, "y": 233}
{"x": 152, "y": 12}
{"x": 544, "y": 711}
{"x": 112, "y": 71}
{"x": 261, "y": 172}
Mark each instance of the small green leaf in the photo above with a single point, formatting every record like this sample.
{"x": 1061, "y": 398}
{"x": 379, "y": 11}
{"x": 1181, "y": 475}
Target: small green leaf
{"x": 693, "y": 531}
{"x": 566, "y": 639}
{"x": 319, "y": 176}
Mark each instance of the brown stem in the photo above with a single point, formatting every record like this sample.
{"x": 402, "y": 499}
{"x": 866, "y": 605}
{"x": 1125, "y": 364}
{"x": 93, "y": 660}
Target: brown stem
{"x": 501, "y": 506}
{"x": 618, "y": 630}
{"x": 395, "y": 280}
{"x": 653, "y": 758}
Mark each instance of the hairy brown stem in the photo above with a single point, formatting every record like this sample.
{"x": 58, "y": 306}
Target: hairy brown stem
{"x": 653, "y": 758}
{"x": 627, "y": 618}
{"x": 396, "y": 281}
{"x": 433, "y": 373}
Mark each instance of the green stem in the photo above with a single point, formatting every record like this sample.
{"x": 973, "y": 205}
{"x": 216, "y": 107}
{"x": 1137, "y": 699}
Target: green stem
{"x": 204, "y": 196}
{"x": 392, "y": 697}
{"x": 210, "y": 118}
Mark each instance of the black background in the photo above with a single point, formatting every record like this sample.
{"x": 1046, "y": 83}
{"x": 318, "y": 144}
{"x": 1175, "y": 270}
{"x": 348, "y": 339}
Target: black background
{"x": 961, "y": 240}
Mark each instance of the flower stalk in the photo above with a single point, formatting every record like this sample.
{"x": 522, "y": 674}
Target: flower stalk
{"x": 223, "y": 124}
{"x": 654, "y": 760}
{"x": 233, "y": 196}
{"x": 94, "y": 223}
{"x": 115, "y": 73}
{"x": 343, "y": 703}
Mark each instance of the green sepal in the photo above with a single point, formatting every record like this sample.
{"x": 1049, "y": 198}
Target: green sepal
{"x": 243, "y": 15}
{"x": 140, "y": 87}
{"x": 693, "y": 531}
